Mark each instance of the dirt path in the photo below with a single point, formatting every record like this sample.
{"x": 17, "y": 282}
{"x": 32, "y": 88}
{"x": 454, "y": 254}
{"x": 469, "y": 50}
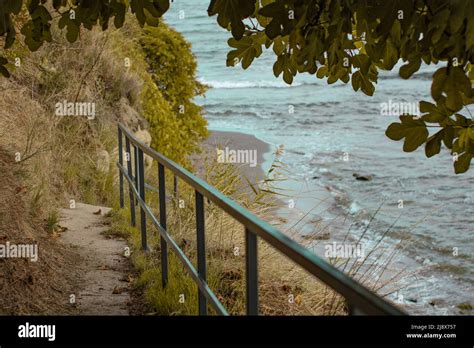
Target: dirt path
{"x": 105, "y": 287}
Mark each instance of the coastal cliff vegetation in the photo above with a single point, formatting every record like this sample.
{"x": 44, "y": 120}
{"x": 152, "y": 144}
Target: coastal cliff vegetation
{"x": 50, "y": 159}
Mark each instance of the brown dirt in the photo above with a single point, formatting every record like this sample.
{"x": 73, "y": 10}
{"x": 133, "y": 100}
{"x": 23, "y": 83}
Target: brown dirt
{"x": 28, "y": 287}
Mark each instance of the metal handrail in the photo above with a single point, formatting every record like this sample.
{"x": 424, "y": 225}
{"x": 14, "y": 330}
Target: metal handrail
{"x": 360, "y": 299}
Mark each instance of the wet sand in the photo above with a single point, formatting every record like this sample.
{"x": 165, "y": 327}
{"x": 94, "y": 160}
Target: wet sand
{"x": 241, "y": 141}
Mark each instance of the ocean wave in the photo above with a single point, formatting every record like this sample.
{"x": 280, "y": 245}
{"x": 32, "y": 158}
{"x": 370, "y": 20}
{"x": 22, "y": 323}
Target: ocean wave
{"x": 422, "y": 75}
{"x": 281, "y": 84}
{"x": 226, "y": 113}
{"x": 251, "y": 84}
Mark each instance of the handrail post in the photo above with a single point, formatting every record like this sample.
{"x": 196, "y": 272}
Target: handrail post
{"x": 201, "y": 250}
{"x": 129, "y": 171}
{"x": 164, "y": 246}
{"x": 120, "y": 155}
{"x": 175, "y": 186}
{"x": 135, "y": 150}
{"x": 251, "y": 268}
{"x": 141, "y": 174}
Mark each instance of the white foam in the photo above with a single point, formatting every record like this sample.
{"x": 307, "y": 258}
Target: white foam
{"x": 247, "y": 84}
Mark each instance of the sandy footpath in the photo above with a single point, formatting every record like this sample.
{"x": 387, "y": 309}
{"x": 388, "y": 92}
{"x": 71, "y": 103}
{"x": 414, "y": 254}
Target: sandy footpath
{"x": 104, "y": 289}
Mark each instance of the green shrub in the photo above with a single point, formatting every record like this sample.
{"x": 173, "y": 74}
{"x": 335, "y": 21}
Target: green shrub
{"x": 164, "y": 61}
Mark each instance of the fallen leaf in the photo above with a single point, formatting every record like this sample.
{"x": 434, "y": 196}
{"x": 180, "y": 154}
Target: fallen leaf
{"x": 298, "y": 299}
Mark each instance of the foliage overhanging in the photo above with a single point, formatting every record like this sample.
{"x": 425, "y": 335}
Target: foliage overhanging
{"x": 345, "y": 40}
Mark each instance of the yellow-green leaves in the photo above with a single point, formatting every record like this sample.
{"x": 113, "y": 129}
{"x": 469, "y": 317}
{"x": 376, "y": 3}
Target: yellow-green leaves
{"x": 455, "y": 131}
{"x": 466, "y": 140}
{"x": 120, "y": 10}
{"x": 175, "y": 121}
{"x": 74, "y": 15}
{"x": 433, "y": 113}
{"x": 413, "y": 130}
{"x": 364, "y": 78}
{"x": 462, "y": 163}
{"x": 352, "y": 40}
{"x": 285, "y": 65}
{"x": 390, "y": 55}
{"x": 406, "y": 71}
{"x": 148, "y": 11}
{"x": 13, "y": 6}
{"x": 37, "y": 29}
{"x": 362, "y": 82}
{"x": 433, "y": 144}
{"x": 470, "y": 24}
{"x": 246, "y": 50}
{"x": 7, "y": 29}
{"x": 230, "y": 14}
{"x": 275, "y": 11}
{"x": 452, "y": 83}
{"x": 338, "y": 40}
{"x": 69, "y": 22}
{"x": 457, "y": 15}
{"x": 3, "y": 69}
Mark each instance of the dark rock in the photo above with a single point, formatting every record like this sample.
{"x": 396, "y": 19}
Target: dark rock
{"x": 362, "y": 177}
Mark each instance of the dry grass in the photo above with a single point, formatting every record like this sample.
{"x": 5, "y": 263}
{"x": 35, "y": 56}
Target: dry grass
{"x": 28, "y": 287}
{"x": 285, "y": 288}
{"x": 58, "y": 161}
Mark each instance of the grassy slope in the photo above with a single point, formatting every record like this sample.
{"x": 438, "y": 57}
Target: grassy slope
{"x": 62, "y": 158}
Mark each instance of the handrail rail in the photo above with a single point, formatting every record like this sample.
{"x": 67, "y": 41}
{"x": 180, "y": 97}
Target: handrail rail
{"x": 360, "y": 299}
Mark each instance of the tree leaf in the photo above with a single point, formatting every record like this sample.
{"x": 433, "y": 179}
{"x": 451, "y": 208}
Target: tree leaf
{"x": 3, "y": 70}
{"x": 246, "y": 50}
{"x": 463, "y": 163}
{"x": 413, "y": 130}
{"x": 439, "y": 79}
{"x": 433, "y": 144}
{"x": 231, "y": 13}
{"x": 406, "y": 71}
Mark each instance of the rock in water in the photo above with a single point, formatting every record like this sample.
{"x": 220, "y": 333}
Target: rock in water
{"x": 362, "y": 177}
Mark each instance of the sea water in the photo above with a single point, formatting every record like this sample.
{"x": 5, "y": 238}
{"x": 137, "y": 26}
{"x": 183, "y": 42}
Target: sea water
{"x": 332, "y": 134}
